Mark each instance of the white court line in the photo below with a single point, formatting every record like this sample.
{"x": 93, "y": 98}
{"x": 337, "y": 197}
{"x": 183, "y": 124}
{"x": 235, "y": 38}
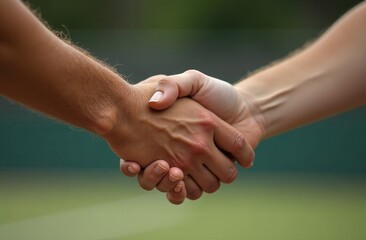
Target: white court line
{"x": 109, "y": 220}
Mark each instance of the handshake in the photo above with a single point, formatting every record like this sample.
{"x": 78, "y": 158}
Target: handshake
{"x": 183, "y": 133}
{"x": 187, "y": 142}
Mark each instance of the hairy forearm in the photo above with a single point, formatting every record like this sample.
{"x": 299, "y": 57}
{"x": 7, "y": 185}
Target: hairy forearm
{"x": 41, "y": 71}
{"x": 325, "y": 78}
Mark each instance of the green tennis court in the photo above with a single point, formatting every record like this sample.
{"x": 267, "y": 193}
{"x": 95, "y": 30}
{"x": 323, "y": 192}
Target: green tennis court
{"x": 90, "y": 204}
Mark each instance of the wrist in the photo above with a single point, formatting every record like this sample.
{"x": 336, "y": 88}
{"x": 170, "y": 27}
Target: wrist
{"x": 118, "y": 122}
{"x": 251, "y": 102}
{"x": 117, "y": 107}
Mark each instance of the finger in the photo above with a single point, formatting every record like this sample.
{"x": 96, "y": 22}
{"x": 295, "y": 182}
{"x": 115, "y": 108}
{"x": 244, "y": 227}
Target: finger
{"x": 221, "y": 166}
{"x": 178, "y": 194}
{"x": 165, "y": 95}
{"x": 171, "y": 87}
{"x": 129, "y": 168}
{"x": 207, "y": 181}
{"x": 232, "y": 141}
{"x": 170, "y": 180}
{"x": 193, "y": 190}
{"x": 153, "y": 174}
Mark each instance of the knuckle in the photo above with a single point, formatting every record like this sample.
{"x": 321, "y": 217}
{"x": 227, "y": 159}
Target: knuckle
{"x": 146, "y": 187}
{"x": 184, "y": 163}
{"x": 175, "y": 200}
{"x": 200, "y": 146}
{"x": 194, "y": 73}
{"x": 239, "y": 142}
{"x": 213, "y": 187}
{"x": 230, "y": 175}
{"x": 160, "y": 76}
{"x": 161, "y": 188}
{"x": 179, "y": 159}
{"x": 207, "y": 120}
{"x": 152, "y": 177}
{"x": 164, "y": 82}
{"x": 175, "y": 175}
{"x": 194, "y": 194}
{"x": 155, "y": 78}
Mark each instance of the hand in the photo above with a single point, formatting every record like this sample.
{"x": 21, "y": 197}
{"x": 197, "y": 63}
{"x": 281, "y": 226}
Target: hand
{"x": 221, "y": 98}
{"x": 218, "y": 96}
{"x": 158, "y": 174}
{"x": 184, "y": 136}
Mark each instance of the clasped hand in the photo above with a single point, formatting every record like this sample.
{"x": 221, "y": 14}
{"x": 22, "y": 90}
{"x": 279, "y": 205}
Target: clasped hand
{"x": 189, "y": 147}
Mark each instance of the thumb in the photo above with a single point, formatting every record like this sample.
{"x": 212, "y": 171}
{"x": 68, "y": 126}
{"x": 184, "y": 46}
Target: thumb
{"x": 166, "y": 93}
{"x": 171, "y": 87}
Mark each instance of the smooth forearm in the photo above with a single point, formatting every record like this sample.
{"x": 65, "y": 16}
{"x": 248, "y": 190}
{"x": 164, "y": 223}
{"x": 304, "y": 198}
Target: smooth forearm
{"x": 326, "y": 78}
{"x": 41, "y": 71}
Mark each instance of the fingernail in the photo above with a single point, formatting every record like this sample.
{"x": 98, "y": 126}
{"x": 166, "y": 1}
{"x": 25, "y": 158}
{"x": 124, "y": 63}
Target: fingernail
{"x": 156, "y": 97}
{"x": 173, "y": 178}
{"x": 131, "y": 170}
{"x": 253, "y": 157}
{"x": 178, "y": 188}
{"x": 252, "y": 160}
{"x": 248, "y": 165}
{"x": 159, "y": 169}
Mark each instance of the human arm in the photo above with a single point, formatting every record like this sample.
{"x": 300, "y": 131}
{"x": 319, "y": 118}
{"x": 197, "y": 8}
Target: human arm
{"x": 326, "y": 78}
{"x": 43, "y": 72}
{"x": 323, "y": 79}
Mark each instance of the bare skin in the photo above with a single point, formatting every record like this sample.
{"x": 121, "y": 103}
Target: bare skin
{"x": 42, "y": 72}
{"x": 326, "y": 78}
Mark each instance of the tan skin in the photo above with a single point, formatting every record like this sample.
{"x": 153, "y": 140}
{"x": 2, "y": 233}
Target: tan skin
{"x": 40, "y": 71}
{"x": 325, "y": 78}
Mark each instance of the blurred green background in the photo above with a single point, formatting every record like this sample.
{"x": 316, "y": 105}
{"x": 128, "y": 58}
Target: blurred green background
{"x": 60, "y": 182}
